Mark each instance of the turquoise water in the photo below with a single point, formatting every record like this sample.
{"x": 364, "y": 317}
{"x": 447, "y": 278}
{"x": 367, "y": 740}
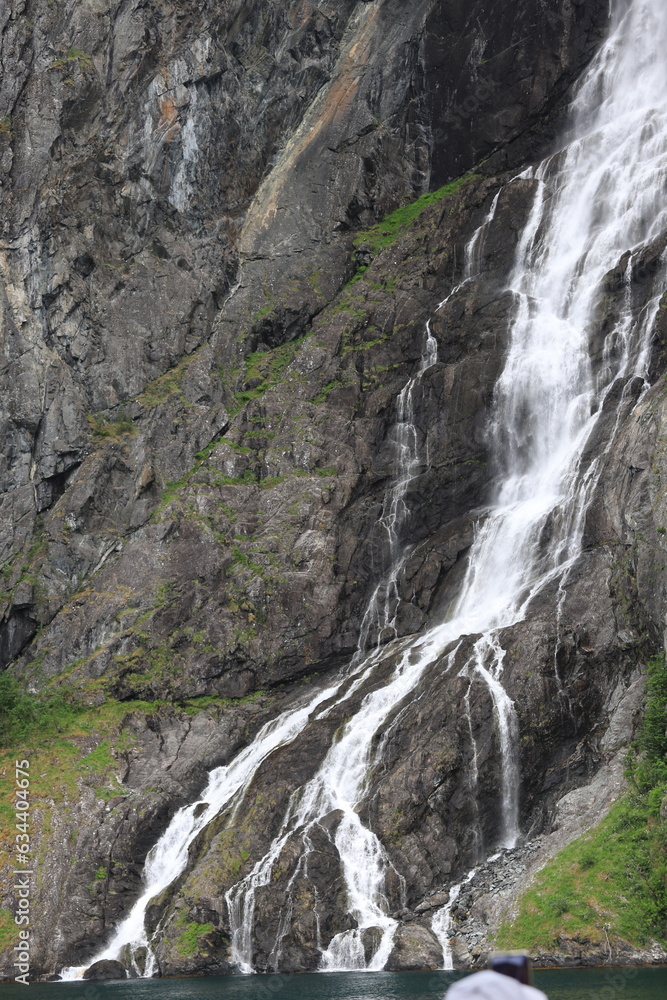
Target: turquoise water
{"x": 561, "y": 984}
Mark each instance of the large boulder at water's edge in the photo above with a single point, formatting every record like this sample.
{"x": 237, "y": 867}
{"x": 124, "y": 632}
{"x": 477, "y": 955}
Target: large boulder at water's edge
{"x": 106, "y": 969}
{"x": 415, "y": 947}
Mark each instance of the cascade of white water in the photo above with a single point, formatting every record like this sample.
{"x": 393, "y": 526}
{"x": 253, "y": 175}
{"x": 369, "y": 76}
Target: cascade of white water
{"x": 340, "y": 784}
{"x": 601, "y": 196}
{"x": 380, "y": 614}
{"x": 225, "y": 788}
{"x": 168, "y": 858}
{"x": 442, "y": 921}
{"x": 473, "y": 776}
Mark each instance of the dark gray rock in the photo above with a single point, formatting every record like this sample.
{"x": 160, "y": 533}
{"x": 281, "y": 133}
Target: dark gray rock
{"x": 415, "y": 948}
{"x": 197, "y": 407}
{"x": 106, "y": 969}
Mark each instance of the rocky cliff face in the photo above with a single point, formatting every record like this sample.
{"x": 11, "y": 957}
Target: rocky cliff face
{"x": 203, "y": 342}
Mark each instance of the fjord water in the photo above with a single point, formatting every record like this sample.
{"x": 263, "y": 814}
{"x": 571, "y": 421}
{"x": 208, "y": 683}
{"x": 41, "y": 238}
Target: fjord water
{"x": 561, "y": 984}
{"x": 600, "y": 197}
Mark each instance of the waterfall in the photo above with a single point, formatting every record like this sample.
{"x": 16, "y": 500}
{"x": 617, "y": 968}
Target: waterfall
{"x": 601, "y": 196}
{"x": 225, "y": 788}
{"x": 341, "y": 782}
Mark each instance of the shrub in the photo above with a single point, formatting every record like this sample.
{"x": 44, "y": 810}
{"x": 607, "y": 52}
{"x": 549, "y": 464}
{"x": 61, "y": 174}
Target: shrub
{"x": 22, "y": 714}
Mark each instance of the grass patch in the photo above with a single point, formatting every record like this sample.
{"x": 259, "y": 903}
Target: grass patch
{"x": 269, "y": 482}
{"x": 241, "y": 558}
{"x": 172, "y": 489}
{"x": 9, "y": 931}
{"x": 591, "y": 886}
{"x": 248, "y": 478}
{"x": 100, "y": 760}
{"x": 261, "y": 313}
{"x": 57, "y": 743}
{"x": 73, "y": 56}
{"x": 51, "y": 725}
{"x": 196, "y": 705}
{"x": 266, "y": 369}
{"x": 169, "y": 384}
{"x": 57, "y": 747}
{"x": 612, "y": 880}
{"x": 109, "y": 792}
{"x": 385, "y": 233}
{"x": 22, "y": 716}
{"x": 103, "y": 428}
{"x": 324, "y": 392}
{"x": 187, "y": 944}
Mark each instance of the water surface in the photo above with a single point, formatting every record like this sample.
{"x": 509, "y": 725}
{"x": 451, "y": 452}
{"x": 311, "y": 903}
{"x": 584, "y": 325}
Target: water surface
{"x": 560, "y": 984}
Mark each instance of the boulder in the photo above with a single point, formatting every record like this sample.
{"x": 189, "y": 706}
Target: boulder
{"x": 106, "y": 969}
{"x": 415, "y": 948}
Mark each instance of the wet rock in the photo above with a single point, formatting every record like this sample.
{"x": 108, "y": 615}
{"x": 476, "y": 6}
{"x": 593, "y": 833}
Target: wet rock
{"x": 133, "y": 960}
{"x": 197, "y": 411}
{"x": 434, "y": 901}
{"x": 106, "y": 969}
{"x": 140, "y": 956}
{"x": 415, "y": 947}
{"x": 371, "y": 938}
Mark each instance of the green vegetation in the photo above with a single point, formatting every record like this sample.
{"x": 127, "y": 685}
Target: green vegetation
{"x": 264, "y": 369}
{"x": 348, "y": 345}
{"x": 104, "y": 428}
{"x": 100, "y": 760}
{"x": 195, "y": 705}
{"x": 261, "y": 313}
{"x": 111, "y": 791}
{"x": 172, "y": 489}
{"x": 230, "y": 855}
{"x": 5, "y": 128}
{"x": 13, "y": 574}
{"x": 269, "y": 482}
{"x": 49, "y": 722}
{"x": 241, "y": 558}
{"x": 8, "y": 929}
{"x": 73, "y": 56}
{"x": 23, "y": 716}
{"x": 589, "y": 888}
{"x": 385, "y": 233}
{"x": 169, "y": 384}
{"x": 56, "y": 738}
{"x": 247, "y": 479}
{"x": 612, "y": 882}
{"x": 323, "y": 394}
{"x": 187, "y": 944}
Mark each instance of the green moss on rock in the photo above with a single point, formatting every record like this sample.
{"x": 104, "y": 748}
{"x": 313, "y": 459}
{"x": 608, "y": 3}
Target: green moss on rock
{"x": 611, "y": 883}
{"x": 187, "y": 943}
{"x": 385, "y": 233}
